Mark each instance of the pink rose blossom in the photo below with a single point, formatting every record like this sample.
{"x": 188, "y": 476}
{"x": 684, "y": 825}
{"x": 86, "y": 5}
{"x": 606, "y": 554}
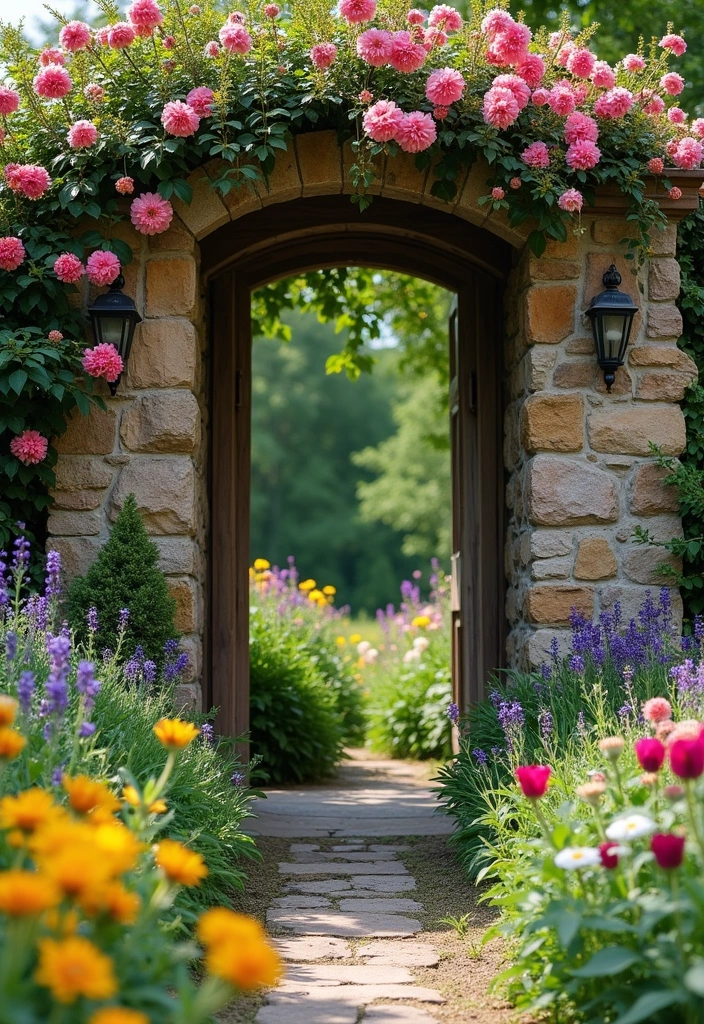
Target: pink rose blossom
{"x": 365, "y": 96}
{"x": 579, "y": 127}
{"x": 531, "y": 69}
{"x": 211, "y": 49}
{"x": 55, "y": 337}
{"x": 565, "y": 51}
{"x": 495, "y": 22}
{"x": 30, "y": 447}
{"x": 656, "y": 165}
{"x": 445, "y": 86}
{"x": 12, "y": 252}
{"x": 540, "y": 97}
{"x": 51, "y": 56}
{"x": 405, "y": 55}
{"x": 536, "y": 155}
{"x": 168, "y": 42}
{"x": 698, "y": 127}
{"x": 581, "y": 90}
{"x": 511, "y": 46}
{"x": 53, "y": 82}
{"x": 688, "y": 154}
{"x": 102, "y": 267}
{"x": 674, "y": 43}
{"x": 415, "y": 17}
{"x": 581, "y": 62}
{"x": 201, "y": 100}
{"x": 614, "y": 103}
{"x": 633, "y": 62}
{"x": 235, "y": 38}
{"x": 562, "y": 99}
{"x": 671, "y": 147}
{"x": 236, "y": 18}
{"x": 432, "y": 38}
{"x": 556, "y": 38}
{"x": 416, "y": 132}
{"x": 676, "y": 115}
{"x": 582, "y": 156}
{"x": 603, "y": 77}
{"x": 571, "y": 201}
{"x": 272, "y": 11}
{"x": 382, "y": 121}
{"x": 675, "y": 193}
{"x": 103, "y": 361}
{"x": 121, "y": 35}
{"x": 9, "y": 100}
{"x": 374, "y": 47}
{"x": 179, "y": 119}
{"x": 517, "y": 85}
{"x": 446, "y": 18}
{"x": 500, "y": 108}
{"x": 95, "y": 93}
{"x": 672, "y": 83}
{"x": 356, "y": 12}
{"x": 323, "y": 54}
{"x": 151, "y": 214}
{"x": 497, "y": 193}
{"x": 29, "y": 179}
{"x": 654, "y": 106}
{"x": 82, "y": 134}
{"x": 102, "y": 35}
{"x": 515, "y": 183}
{"x": 75, "y": 36}
{"x": 68, "y": 268}
{"x": 657, "y": 709}
{"x": 440, "y": 113}
{"x": 125, "y": 186}
{"x": 145, "y": 15}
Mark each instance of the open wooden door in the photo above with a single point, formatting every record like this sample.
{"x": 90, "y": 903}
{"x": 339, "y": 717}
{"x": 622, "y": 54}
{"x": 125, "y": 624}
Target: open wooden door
{"x": 228, "y": 621}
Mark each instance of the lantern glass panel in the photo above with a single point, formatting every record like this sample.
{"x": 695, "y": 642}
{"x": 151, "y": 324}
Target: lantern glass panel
{"x": 613, "y": 330}
{"x": 111, "y": 330}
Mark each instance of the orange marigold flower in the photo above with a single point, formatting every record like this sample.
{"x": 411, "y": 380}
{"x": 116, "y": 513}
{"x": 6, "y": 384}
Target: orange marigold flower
{"x": 118, "y": 1015}
{"x": 131, "y": 796}
{"x": 28, "y": 810}
{"x": 74, "y": 967}
{"x": 11, "y": 744}
{"x": 174, "y": 733}
{"x": 220, "y": 925}
{"x": 86, "y": 795}
{"x": 79, "y": 872}
{"x": 246, "y": 966}
{"x": 8, "y": 709}
{"x": 119, "y": 846}
{"x": 179, "y": 864}
{"x": 25, "y": 893}
{"x": 115, "y": 900}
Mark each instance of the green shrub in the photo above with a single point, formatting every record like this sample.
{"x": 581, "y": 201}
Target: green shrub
{"x": 341, "y": 680}
{"x": 125, "y": 575}
{"x": 408, "y": 717}
{"x": 295, "y": 727}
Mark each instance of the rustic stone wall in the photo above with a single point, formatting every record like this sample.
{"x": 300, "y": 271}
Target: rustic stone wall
{"x": 578, "y": 465}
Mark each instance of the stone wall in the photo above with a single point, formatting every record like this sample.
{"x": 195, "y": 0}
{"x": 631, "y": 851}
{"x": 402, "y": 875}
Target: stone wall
{"x": 578, "y": 465}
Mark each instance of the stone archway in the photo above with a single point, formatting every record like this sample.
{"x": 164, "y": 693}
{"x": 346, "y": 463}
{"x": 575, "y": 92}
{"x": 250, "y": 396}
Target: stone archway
{"x": 578, "y": 464}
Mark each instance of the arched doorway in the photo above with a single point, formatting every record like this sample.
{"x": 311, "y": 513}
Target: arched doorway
{"x": 324, "y": 232}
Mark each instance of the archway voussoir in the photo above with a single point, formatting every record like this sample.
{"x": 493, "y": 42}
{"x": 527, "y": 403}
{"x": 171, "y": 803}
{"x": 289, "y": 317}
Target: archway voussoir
{"x": 242, "y": 198}
{"x": 284, "y": 182}
{"x": 402, "y": 179}
{"x": 319, "y": 163}
{"x": 206, "y": 211}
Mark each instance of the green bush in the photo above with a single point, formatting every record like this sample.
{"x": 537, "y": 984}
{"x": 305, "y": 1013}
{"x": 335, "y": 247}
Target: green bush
{"x": 125, "y": 575}
{"x": 342, "y": 682}
{"x": 409, "y": 715}
{"x": 295, "y": 725}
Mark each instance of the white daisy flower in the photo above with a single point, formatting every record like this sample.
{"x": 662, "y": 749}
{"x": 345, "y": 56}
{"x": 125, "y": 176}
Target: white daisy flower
{"x": 363, "y": 646}
{"x": 577, "y": 857}
{"x": 633, "y": 826}
{"x": 421, "y": 643}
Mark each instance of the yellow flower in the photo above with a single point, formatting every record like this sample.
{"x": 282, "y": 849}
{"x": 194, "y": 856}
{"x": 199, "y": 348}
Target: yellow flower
{"x": 115, "y": 900}
{"x": 421, "y": 621}
{"x": 179, "y": 864}
{"x": 355, "y": 638}
{"x": 119, "y": 846}
{"x": 307, "y": 585}
{"x": 261, "y": 563}
{"x": 29, "y": 810}
{"x": 329, "y": 591}
{"x": 220, "y": 925}
{"x": 174, "y": 733}
{"x": 131, "y": 796}
{"x": 11, "y": 744}
{"x": 24, "y": 893}
{"x": 74, "y": 967}
{"x": 86, "y": 795}
{"x": 78, "y": 872}
{"x": 118, "y": 1015}
{"x": 315, "y": 595}
{"x": 249, "y": 966}
{"x": 340, "y": 641}
{"x": 8, "y": 709}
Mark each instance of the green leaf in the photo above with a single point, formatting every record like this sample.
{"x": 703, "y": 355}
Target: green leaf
{"x": 17, "y": 380}
{"x": 649, "y": 1004}
{"x": 183, "y": 190}
{"x": 611, "y": 960}
{"x": 537, "y": 242}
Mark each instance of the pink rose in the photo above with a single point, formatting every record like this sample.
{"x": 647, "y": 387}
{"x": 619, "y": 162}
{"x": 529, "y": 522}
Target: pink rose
{"x": 562, "y": 99}
{"x": 672, "y": 83}
{"x": 179, "y": 119}
{"x": 51, "y": 56}
{"x": 12, "y": 252}
{"x": 382, "y": 121}
{"x": 602, "y": 76}
{"x": 688, "y": 154}
{"x": 103, "y": 361}
{"x": 445, "y": 86}
{"x": 581, "y": 62}
{"x": 674, "y": 43}
{"x": 29, "y": 179}
{"x": 676, "y": 115}
{"x": 356, "y": 12}
{"x": 82, "y": 134}
{"x": 30, "y": 447}
{"x": 68, "y": 268}
{"x": 374, "y": 47}
{"x": 571, "y": 201}
{"x": 75, "y": 36}
{"x": 531, "y": 69}
{"x": 500, "y": 108}
{"x": 150, "y": 214}
{"x": 125, "y": 186}
{"x": 121, "y": 35}
{"x": 416, "y": 132}
{"x": 102, "y": 267}
{"x": 633, "y": 62}
{"x": 536, "y": 155}
{"x": 579, "y": 127}
{"x": 444, "y": 17}
{"x": 235, "y": 38}
{"x": 201, "y": 100}
{"x": 582, "y": 156}
{"x": 145, "y": 15}
{"x": 323, "y": 55}
{"x": 53, "y": 82}
{"x": 405, "y": 55}
{"x": 614, "y": 104}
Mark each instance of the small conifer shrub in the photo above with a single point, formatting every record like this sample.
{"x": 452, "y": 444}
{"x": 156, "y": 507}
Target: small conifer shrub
{"x": 124, "y": 575}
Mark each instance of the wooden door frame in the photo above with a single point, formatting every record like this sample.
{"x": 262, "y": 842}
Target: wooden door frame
{"x": 321, "y": 233}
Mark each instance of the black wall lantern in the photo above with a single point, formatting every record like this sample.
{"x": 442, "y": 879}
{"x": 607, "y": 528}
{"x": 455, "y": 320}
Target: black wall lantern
{"x": 611, "y": 313}
{"x": 114, "y": 317}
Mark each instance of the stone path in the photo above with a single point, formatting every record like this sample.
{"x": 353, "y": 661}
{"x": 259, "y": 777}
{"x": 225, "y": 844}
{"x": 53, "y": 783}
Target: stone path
{"x": 345, "y": 925}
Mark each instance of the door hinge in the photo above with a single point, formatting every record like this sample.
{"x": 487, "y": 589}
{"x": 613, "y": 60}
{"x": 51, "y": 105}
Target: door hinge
{"x": 238, "y": 389}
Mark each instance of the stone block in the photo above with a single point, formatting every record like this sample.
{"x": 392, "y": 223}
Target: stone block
{"x": 575, "y": 373}
{"x": 539, "y": 361}
{"x": 662, "y": 386}
{"x": 629, "y": 430}
{"x": 176, "y": 239}
{"x": 551, "y": 568}
{"x": 191, "y": 645}
{"x": 77, "y": 554}
{"x": 569, "y": 492}
{"x": 663, "y": 280}
{"x": 612, "y": 232}
{"x": 553, "y": 603}
{"x": 641, "y": 564}
{"x": 74, "y": 472}
{"x": 186, "y": 698}
{"x": 284, "y": 182}
{"x": 538, "y": 646}
{"x": 171, "y": 286}
{"x": 581, "y": 347}
{"x": 165, "y": 489}
{"x": 553, "y": 423}
{"x": 74, "y": 524}
{"x": 664, "y": 242}
{"x": 664, "y": 321}
{"x": 567, "y": 250}
{"x": 206, "y": 211}
{"x": 187, "y": 618}
{"x": 550, "y": 543}
{"x": 75, "y": 501}
{"x": 402, "y": 179}
{"x": 669, "y": 356}
{"x": 595, "y": 560}
{"x": 320, "y": 163}
{"x": 93, "y": 434}
{"x": 178, "y": 556}
{"x": 162, "y": 421}
{"x": 622, "y": 385}
{"x": 553, "y": 270}
{"x": 597, "y": 264}
{"x": 164, "y": 355}
{"x": 649, "y": 496}
{"x": 550, "y": 313}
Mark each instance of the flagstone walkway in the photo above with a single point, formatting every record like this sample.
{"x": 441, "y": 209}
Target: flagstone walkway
{"x": 345, "y": 925}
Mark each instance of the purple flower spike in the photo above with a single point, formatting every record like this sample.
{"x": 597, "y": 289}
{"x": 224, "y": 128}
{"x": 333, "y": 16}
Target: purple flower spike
{"x": 238, "y": 779}
{"x": 453, "y": 713}
{"x": 10, "y": 645}
{"x": 480, "y": 756}
{"x": 93, "y": 619}
{"x": 149, "y": 671}
{"x": 25, "y": 689}
{"x": 52, "y": 586}
{"x": 87, "y": 729}
{"x": 123, "y": 619}
{"x": 20, "y": 553}
{"x": 207, "y": 734}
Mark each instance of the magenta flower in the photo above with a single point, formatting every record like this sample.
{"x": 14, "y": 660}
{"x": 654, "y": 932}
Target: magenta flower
{"x": 405, "y": 55}
{"x": 29, "y": 179}
{"x": 103, "y": 361}
{"x": 51, "y": 56}
{"x": 75, "y": 36}
{"x": 581, "y": 62}
{"x": 603, "y": 77}
{"x": 145, "y": 15}
{"x": 12, "y": 253}
{"x": 416, "y": 132}
{"x": 323, "y": 55}
{"x": 121, "y": 35}
{"x": 235, "y": 38}
{"x": 53, "y": 82}
{"x": 82, "y": 134}
{"x": 356, "y": 12}
{"x": 500, "y": 108}
{"x": 201, "y": 100}
{"x": 571, "y": 201}
{"x": 633, "y": 62}
{"x": 580, "y": 127}
{"x": 674, "y": 43}
{"x": 374, "y": 47}
{"x": 447, "y": 18}
{"x": 536, "y": 155}
{"x": 68, "y": 268}
{"x": 445, "y": 86}
{"x": 102, "y": 267}
{"x": 672, "y": 83}
{"x": 150, "y": 214}
{"x": 382, "y": 121}
{"x": 30, "y": 447}
{"x": 531, "y": 69}
{"x": 125, "y": 186}
{"x": 582, "y": 156}
{"x": 179, "y": 119}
